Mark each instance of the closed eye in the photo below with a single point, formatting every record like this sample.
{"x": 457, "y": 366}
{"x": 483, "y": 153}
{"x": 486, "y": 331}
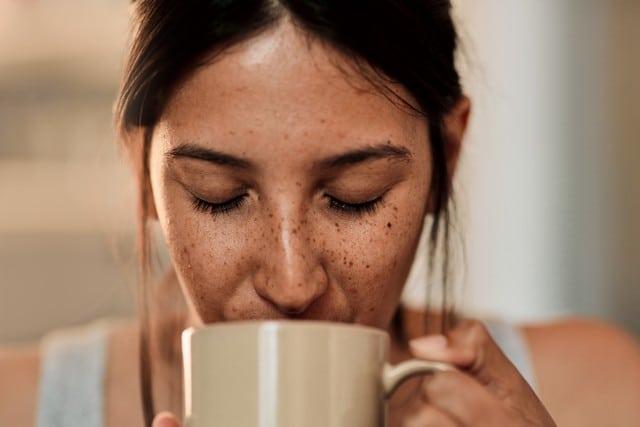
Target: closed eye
{"x": 219, "y": 208}
{"x": 356, "y": 209}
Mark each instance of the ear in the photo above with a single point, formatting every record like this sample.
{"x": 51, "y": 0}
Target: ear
{"x": 455, "y": 126}
{"x": 137, "y": 143}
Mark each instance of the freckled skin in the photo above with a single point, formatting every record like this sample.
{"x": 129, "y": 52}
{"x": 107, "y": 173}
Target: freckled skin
{"x": 286, "y": 251}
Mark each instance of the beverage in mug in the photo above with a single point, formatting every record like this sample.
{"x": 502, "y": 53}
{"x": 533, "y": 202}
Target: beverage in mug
{"x": 290, "y": 374}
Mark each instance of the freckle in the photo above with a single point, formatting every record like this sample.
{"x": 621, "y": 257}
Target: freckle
{"x": 368, "y": 266}
{"x": 299, "y": 284}
{"x": 337, "y": 225}
{"x": 351, "y": 264}
{"x": 286, "y": 136}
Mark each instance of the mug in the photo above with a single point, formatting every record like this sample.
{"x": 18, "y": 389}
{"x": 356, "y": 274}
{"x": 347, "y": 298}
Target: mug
{"x": 290, "y": 374}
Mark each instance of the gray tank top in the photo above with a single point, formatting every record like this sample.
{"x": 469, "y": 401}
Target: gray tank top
{"x": 72, "y": 377}
{"x": 513, "y": 345}
{"x": 73, "y": 367}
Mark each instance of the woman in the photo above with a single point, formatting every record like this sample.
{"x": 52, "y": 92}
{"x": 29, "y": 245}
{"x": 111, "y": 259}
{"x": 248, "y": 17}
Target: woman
{"x": 289, "y": 151}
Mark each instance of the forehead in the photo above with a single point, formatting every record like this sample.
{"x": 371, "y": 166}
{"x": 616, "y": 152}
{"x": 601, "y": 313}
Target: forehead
{"x": 283, "y": 86}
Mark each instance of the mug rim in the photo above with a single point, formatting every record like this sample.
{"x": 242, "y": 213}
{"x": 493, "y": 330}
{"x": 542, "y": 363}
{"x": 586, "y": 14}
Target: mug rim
{"x": 282, "y": 324}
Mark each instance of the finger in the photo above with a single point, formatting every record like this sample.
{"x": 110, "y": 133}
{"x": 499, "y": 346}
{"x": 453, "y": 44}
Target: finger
{"x": 461, "y": 398}
{"x": 165, "y": 419}
{"x": 428, "y": 416}
{"x": 470, "y": 347}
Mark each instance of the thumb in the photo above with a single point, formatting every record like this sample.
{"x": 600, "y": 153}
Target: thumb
{"x": 469, "y": 346}
{"x": 165, "y": 419}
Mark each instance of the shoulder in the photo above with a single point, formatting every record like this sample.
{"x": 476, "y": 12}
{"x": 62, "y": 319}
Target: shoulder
{"x": 122, "y": 385}
{"x": 19, "y": 372}
{"x": 588, "y": 372}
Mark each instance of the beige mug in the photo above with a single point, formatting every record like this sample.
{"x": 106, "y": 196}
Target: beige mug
{"x": 290, "y": 374}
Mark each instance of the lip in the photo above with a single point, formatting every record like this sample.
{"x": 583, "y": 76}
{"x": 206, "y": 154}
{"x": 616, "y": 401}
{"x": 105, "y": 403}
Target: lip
{"x": 307, "y": 315}
{"x": 266, "y": 311}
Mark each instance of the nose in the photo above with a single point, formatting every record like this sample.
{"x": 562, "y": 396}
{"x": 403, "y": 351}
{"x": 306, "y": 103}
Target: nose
{"x": 291, "y": 275}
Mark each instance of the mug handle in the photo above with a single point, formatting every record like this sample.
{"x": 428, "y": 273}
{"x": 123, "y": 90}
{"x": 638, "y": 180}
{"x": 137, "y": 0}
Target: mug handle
{"x": 394, "y": 375}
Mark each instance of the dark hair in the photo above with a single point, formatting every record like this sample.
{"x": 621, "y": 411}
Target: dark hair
{"x": 408, "y": 42}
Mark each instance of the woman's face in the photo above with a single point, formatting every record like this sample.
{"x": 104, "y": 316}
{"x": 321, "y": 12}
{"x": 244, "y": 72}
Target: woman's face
{"x": 287, "y": 187}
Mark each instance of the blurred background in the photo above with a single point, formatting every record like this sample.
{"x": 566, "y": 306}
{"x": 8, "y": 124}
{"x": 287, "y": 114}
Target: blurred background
{"x": 549, "y": 188}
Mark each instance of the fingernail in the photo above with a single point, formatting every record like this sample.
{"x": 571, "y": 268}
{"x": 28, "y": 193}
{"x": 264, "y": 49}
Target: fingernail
{"x": 165, "y": 419}
{"x": 429, "y": 343}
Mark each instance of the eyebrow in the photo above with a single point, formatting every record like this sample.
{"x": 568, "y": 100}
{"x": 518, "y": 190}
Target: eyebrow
{"x": 208, "y": 155}
{"x": 350, "y": 158}
{"x": 380, "y": 151}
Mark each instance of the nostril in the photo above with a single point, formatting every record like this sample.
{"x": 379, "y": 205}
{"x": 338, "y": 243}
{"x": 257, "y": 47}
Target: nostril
{"x": 290, "y": 290}
{"x": 291, "y": 311}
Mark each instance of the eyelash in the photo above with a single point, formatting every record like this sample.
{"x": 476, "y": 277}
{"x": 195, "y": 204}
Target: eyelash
{"x": 218, "y": 208}
{"x": 355, "y": 209}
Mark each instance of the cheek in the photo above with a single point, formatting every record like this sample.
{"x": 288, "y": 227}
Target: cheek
{"x": 371, "y": 260}
{"x": 210, "y": 259}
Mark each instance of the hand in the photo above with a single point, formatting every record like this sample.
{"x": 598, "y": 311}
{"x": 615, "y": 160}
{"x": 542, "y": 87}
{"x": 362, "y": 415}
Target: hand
{"x": 165, "y": 419}
{"x": 488, "y": 391}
